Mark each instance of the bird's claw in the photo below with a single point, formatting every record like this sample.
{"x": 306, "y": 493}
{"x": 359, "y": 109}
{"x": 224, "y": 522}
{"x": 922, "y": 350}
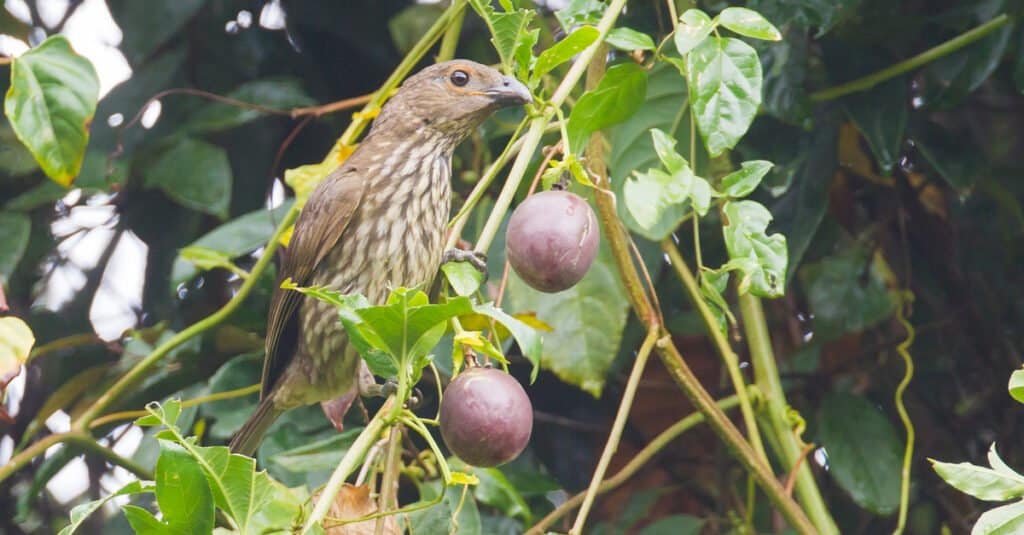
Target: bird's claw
{"x": 377, "y": 390}
{"x": 473, "y": 258}
{"x": 415, "y": 399}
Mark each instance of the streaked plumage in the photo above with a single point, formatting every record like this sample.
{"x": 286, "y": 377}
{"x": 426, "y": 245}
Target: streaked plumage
{"x": 375, "y": 223}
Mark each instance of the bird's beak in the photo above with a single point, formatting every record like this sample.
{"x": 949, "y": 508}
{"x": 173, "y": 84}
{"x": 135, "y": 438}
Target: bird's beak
{"x": 511, "y": 92}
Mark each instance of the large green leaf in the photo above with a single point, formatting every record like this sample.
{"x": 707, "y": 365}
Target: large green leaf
{"x": 182, "y": 492}
{"x": 724, "y": 78}
{"x": 235, "y": 238}
{"x": 633, "y": 148}
{"x": 693, "y": 28}
{"x": 50, "y": 103}
{"x": 760, "y": 257}
{"x": 845, "y": 294}
{"x": 194, "y": 173}
{"x": 997, "y": 484}
{"x": 618, "y": 95}
{"x": 229, "y": 414}
{"x": 749, "y": 23}
{"x": 15, "y": 229}
{"x": 864, "y": 452}
{"x": 563, "y": 51}
{"x": 276, "y": 93}
{"x": 587, "y": 322}
{"x": 881, "y": 116}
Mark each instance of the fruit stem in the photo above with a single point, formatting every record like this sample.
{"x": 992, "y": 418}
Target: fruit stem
{"x": 616, "y": 432}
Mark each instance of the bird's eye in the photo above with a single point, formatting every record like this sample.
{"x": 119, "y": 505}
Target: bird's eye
{"x": 459, "y": 78}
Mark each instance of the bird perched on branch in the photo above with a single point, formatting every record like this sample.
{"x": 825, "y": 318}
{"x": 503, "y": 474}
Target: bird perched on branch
{"x": 376, "y": 222}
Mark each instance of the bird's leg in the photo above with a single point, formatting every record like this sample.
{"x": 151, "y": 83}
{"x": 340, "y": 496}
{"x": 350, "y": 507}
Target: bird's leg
{"x": 475, "y": 259}
{"x": 370, "y": 388}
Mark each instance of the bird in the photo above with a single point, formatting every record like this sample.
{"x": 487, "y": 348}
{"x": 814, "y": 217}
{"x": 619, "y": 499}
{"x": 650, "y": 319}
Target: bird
{"x": 376, "y": 222}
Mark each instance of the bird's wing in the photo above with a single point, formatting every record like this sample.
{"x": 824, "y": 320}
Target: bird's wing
{"x": 322, "y": 222}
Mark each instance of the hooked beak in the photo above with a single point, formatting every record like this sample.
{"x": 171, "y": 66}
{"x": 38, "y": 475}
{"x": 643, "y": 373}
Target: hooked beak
{"x": 511, "y": 92}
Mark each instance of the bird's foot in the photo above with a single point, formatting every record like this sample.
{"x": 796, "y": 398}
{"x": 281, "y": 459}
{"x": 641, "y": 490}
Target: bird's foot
{"x": 415, "y": 399}
{"x": 378, "y": 390}
{"x": 475, "y": 259}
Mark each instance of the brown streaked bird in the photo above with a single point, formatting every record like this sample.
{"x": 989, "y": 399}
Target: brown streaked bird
{"x": 376, "y": 222}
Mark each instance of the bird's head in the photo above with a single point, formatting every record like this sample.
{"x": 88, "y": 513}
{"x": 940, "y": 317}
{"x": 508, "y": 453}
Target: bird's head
{"x": 453, "y": 97}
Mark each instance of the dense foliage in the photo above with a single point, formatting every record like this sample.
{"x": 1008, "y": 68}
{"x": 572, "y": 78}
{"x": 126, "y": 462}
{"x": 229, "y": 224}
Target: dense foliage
{"x": 810, "y": 215}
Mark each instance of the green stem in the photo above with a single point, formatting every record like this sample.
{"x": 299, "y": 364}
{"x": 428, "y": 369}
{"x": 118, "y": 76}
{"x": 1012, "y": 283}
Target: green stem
{"x": 538, "y": 125}
{"x": 450, "y": 41}
{"x": 348, "y": 464}
{"x": 140, "y": 370}
{"x": 932, "y": 54}
{"x": 218, "y": 396}
{"x": 89, "y": 444}
{"x": 617, "y": 426}
{"x": 732, "y": 362}
{"x": 766, "y": 376}
{"x": 908, "y": 452}
{"x": 644, "y": 456}
{"x": 390, "y": 479}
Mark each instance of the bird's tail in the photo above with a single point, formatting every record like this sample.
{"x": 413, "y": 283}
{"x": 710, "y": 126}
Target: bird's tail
{"x": 251, "y": 434}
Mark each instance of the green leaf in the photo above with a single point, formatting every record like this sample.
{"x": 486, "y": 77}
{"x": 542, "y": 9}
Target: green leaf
{"x": 1005, "y": 520}
{"x": 165, "y": 414}
{"x": 633, "y": 148}
{"x": 407, "y": 317}
{"x": 629, "y": 39}
{"x": 463, "y": 277}
{"x": 497, "y": 491}
{"x": 665, "y": 148}
{"x": 528, "y": 339}
{"x": 841, "y": 297}
{"x": 563, "y": 51}
{"x": 442, "y": 518}
{"x": 206, "y": 259}
{"x": 587, "y": 322}
{"x": 82, "y": 512}
{"x": 951, "y": 78}
{"x": 1016, "y": 386}
{"x": 509, "y": 30}
{"x": 580, "y": 12}
{"x": 998, "y": 464}
{"x": 881, "y": 116}
{"x": 195, "y": 174}
{"x": 16, "y": 229}
{"x": 182, "y": 492}
{"x": 983, "y": 483}
{"x": 617, "y": 96}
{"x": 761, "y": 258}
{"x": 744, "y": 180}
{"x": 700, "y": 196}
{"x": 694, "y": 26}
{"x": 724, "y": 77}
{"x": 235, "y": 238}
{"x": 864, "y": 451}
{"x": 320, "y": 455}
{"x": 280, "y": 93}
{"x": 651, "y": 198}
{"x": 15, "y": 158}
{"x": 749, "y": 23}
{"x": 50, "y": 103}
{"x": 144, "y": 523}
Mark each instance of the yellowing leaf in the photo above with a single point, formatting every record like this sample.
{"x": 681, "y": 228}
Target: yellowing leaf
{"x": 462, "y": 478}
{"x": 16, "y": 341}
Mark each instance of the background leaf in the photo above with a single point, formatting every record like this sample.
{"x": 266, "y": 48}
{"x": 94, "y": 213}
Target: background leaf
{"x": 724, "y": 77}
{"x": 194, "y": 173}
{"x": 50, "y": 103}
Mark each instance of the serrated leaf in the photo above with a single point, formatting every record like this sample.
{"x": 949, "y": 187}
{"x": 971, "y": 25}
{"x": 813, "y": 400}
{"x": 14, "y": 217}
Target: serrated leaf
{"x": 724, "y": 77}
{"x": 745, "y": 180}
{"x": 982, "y": 483}
{"x": 563, "y": 51}
{"x": 50, "y": 104}
{"x": 182, "y": 492}
{"x": 765, "y": 255}
{"x": 509, "y": 29}
{"x": 617, "y": 96}
{"x": 749, "y": 23}
{"x": 629, "y": 39}
{"x": 195, "y": 174}
{"x": 650, "y": 198}
{"x": 864, "y": 452}
{"x": 694, "y": 26}
{"x": 82, "y": 512}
